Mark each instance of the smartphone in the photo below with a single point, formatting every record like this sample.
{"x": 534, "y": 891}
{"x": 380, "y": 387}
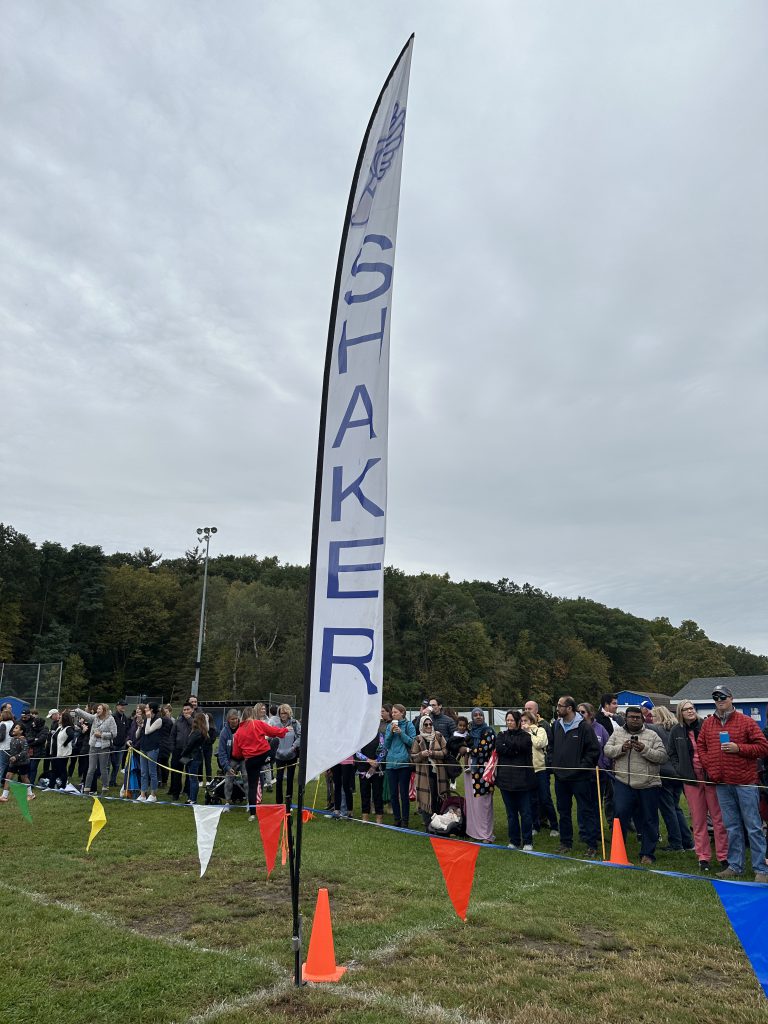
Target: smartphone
{"x": 725, "y": 737}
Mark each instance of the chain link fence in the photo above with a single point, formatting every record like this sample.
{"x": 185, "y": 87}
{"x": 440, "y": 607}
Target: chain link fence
{"x": 37, "y": 683}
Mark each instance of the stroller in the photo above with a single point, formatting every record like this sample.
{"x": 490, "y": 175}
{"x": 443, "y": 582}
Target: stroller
{"x": 214, "y": 790}
{"x": 452, "y": 819}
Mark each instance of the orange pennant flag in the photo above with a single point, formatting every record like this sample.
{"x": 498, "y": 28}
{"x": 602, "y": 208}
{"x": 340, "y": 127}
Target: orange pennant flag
{"x": 457, "y": 862}
{"x": 271, "y": 818}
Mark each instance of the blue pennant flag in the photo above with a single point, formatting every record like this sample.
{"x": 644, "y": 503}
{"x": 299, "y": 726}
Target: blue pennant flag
{"x": 747, "y": 910}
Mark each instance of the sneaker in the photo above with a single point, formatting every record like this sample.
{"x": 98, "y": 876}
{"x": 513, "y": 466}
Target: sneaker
{"x": 151, "y": 799}
{"x": 760, "y": 876}
{"x": 4, "y": 797}
{"x": 336, "y": 815}
{"x": 563, "y": 849}
{"x": 225, "y": 808}
{"x": 590, "y": 853}
{"x": 535, "y": 831}
{"x": 704, "y": 865}
{"x": 31, "y": 795}
{"x": 528, "y": 848}
{"x": 647, "y": 862}
{"x": 723, "y": 863}
{"x": 728, "y": 873}
{"x": 141, "y": 799}
{"x": 189, "y": 803}
{"x": 453, "y": 786}
{"x": 671, "y": 849}
{"x": 251, "y": 817}
{"x": 554, "y": 833}
{"x": 511, "y": 846}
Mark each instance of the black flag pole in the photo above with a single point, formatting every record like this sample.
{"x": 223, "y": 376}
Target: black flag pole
{"x": 295, "y": 847}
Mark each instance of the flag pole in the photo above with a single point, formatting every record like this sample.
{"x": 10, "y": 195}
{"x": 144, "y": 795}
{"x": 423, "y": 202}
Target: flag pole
{"x": 297, "y": 845}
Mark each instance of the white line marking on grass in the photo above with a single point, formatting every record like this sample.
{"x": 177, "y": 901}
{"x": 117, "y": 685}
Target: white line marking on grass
{"x": 108, "y": 921}
{"x": 260, "y": 996}
{"x": 410, "y": 1006}
{"x": 538, "y": 883}
{"x": 393, "y": 945}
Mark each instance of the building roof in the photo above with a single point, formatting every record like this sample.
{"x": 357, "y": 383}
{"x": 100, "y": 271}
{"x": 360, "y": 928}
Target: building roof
{"x": 742, "y": 688}
{"x": 656, "y": 699}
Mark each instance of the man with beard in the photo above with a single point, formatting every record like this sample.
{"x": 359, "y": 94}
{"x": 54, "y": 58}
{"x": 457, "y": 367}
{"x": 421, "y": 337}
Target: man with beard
{"x": 575, "y": 753}
{"x": 637, "y": 755}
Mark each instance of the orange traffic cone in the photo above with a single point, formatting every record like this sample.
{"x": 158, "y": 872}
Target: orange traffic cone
{"x": 321, "y": 956}
{"x": 618, "y": 849}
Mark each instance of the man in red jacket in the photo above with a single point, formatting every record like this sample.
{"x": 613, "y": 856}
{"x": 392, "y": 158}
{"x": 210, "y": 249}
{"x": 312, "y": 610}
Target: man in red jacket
{"x": 729, "y": 746}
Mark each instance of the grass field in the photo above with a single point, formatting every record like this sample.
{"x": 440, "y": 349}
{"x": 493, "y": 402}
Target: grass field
{"x": 130, "y": 933}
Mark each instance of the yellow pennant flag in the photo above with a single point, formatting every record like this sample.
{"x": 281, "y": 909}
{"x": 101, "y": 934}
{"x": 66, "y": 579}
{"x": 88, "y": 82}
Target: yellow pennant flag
{"x": 98, "y": 820}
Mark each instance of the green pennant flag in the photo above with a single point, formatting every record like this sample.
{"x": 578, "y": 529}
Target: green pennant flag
{"x": 19, "y": 792}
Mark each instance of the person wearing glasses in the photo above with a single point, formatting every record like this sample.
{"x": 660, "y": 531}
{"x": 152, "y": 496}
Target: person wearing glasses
{"x": 637, "y": 754}
{"x": 575, "y": 753}
{"x": 729, "y": 746}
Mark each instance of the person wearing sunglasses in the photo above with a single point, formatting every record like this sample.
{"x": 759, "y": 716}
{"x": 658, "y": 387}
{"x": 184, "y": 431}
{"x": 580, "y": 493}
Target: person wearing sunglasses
{"x": 729, "y": 746}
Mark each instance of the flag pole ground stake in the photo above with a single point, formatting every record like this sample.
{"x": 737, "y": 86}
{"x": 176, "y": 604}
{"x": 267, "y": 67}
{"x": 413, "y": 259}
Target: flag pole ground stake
{"x": 321, "y": 956}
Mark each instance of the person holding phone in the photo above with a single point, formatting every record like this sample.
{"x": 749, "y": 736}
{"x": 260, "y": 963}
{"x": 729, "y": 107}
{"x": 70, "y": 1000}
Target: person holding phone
{"x": 637, "y": 754}
{"x": 729, "y": 746}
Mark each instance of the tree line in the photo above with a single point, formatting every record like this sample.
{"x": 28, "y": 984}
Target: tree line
{"x": 127, "y": 623}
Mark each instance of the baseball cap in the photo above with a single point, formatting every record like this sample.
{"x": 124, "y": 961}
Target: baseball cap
{"x": 721, "y": 691}
{"x": 53, "y": 711}
{"x": 425, "y": 703}
{"x": 121, "y": 703}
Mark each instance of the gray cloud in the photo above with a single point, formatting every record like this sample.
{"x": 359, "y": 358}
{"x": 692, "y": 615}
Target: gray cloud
{"x": 578, "y": 344}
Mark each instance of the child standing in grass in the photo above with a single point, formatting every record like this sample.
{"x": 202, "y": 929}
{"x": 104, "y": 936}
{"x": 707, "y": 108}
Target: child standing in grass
{"x": 18, "y": 762}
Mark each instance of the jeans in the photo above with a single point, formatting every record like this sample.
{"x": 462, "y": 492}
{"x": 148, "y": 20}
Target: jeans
{"x": 584, "y": 791}
{"x": 194, "y": 768}
{"x": 678, "y": 833}
{"x": 542, "y": 808}
{"x": 33, "y": 764}
{"x": 518, "y": 807}
{"x": 740, "y": 808}
{"x": 399, "y": 782}
{"x": 98, "y": 760}
{"x": 4, "y": 758}
{"x": 643, "y": 804}
{"x": 149, "y": 772}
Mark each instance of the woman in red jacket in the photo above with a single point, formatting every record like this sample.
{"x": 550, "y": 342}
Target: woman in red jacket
{"x": 250, "y": 744}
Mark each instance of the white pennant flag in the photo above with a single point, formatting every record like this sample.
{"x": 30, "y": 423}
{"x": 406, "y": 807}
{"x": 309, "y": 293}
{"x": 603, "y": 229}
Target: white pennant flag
{"x": 206, "y": 823}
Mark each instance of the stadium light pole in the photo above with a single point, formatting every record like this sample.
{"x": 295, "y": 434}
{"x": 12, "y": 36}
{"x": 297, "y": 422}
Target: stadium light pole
{"x": 202, "y": 532}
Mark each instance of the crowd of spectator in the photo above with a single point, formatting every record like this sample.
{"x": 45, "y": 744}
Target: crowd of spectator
{"x": 633, "y": 768}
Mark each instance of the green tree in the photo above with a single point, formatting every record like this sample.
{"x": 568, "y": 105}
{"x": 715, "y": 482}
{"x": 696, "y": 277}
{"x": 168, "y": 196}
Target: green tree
{"x": 74, "y": 682}
{"x": 687, "y": 654}
{"x": 135, "y": 618}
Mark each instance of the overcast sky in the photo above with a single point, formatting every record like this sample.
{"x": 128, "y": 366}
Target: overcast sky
{"x": 580, "y": 315}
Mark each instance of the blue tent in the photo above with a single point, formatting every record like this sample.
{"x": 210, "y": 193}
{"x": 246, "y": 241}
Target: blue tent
{"x": 17, "y": 705}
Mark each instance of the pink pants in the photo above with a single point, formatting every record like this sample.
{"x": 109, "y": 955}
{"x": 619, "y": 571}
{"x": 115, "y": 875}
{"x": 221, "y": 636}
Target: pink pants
{"x": 701, "y": 798}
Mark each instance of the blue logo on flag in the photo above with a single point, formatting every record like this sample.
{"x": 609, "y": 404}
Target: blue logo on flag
{"x": 386, "y": 148}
